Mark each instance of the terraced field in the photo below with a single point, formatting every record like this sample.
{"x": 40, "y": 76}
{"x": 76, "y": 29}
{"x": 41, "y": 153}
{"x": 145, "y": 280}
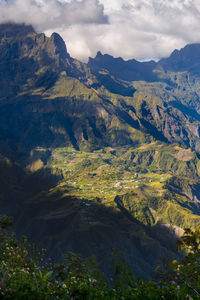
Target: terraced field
{"x": 136, "y": 177}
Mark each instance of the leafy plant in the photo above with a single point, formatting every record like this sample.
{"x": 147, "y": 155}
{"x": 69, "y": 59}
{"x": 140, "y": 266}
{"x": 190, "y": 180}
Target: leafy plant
{"x": 26, "y": 273}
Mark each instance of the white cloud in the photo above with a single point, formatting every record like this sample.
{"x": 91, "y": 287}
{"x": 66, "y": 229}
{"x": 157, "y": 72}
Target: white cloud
{"x": 133, "y": 29}
{"x": 151, "y": 28}
{"x": 51, "y": 14}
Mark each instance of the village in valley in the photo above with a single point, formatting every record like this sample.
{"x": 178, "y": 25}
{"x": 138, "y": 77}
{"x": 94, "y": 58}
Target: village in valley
{"x": 103, "y": 174}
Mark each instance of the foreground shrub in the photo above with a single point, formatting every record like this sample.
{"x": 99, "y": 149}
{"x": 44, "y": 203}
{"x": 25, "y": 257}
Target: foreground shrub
{"x": 26, "y": 273}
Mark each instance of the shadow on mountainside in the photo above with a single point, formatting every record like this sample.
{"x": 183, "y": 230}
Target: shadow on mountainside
{"x": 62, "y": 223}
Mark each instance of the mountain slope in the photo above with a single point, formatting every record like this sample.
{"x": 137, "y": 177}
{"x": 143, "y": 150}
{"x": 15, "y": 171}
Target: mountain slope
{"x": 166, "y": 101}
{"x": 98, "y": 156}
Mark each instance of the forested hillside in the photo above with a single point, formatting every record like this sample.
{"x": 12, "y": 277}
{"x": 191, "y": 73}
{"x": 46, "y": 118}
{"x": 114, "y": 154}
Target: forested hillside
{"x": 98, "y": 156}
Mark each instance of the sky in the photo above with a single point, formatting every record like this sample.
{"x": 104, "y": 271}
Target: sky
{"x": 140, "y": 29}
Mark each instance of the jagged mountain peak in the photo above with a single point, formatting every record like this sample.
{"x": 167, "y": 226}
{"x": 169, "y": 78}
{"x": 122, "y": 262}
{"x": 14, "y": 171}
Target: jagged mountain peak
{"x": 190, "y": 50}
{"x": 59, "y": 44}
{"x": 99, "y": 54}
{"x": 93, "y": 130}
{"x": 186, "y": 58}
{"x": 30, "y": 40}
{"x": 129, "y": 70}
{"x": 13, "y": 30}
{"x": 30, "y": 59}
{"x": 105, "y": 59}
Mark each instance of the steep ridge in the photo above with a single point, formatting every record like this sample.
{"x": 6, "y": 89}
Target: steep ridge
{"x": 97, "y": 156}
{"x": 131, "y": 70}
{"x": 186, "y": 59}
{"x": 168, "y": 100}
{"x": 37, "y": 73}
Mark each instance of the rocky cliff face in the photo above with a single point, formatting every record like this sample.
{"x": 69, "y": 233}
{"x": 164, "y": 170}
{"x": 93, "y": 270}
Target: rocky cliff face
{"x": 37, "y": 71}
{"x": 87, "y": 153}
{"x": 186, "y": 59}
{"x": 130, "y": 70}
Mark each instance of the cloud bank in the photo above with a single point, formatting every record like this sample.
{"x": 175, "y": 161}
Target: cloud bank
{"x": 129, "y": 28}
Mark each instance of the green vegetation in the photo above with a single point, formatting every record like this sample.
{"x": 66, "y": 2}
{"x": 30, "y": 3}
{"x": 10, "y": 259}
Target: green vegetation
{"x": 148, "y": 181}
{"x": 27, "y": 273}
{"x": 112, "y": 195}
{"x": 89, "y": 202}
{"x": 92, "y": 156}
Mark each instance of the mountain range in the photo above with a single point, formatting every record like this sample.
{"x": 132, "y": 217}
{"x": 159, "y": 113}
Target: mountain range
{"x": 98, "y": 156}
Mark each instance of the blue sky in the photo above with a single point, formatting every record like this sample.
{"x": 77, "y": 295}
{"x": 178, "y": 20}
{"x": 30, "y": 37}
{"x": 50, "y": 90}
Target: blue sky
{"x": 127, "y": 28}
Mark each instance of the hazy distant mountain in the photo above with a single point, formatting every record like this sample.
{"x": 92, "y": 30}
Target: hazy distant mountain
{"x": 130, "y": 70}
{"x": 186, "y": 59}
